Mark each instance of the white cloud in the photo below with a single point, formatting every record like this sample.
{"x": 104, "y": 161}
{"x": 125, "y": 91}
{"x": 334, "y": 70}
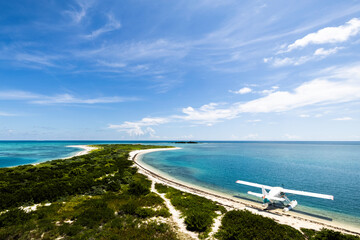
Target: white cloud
{"x": 79, "y": 12}
{"x": 343, "y": 119}
{"x": 243, "y": 90}
{"x": 329, "y": 35}
{"x": 337, "y": 85}
{"x": 318, "y": 91}
{"x": 150, "y": 131}
{"x": 45, "y": 60}
{"x": 254, "y": 120}
{"x": 111, "y": 25}
{"x": 304, "y": 115}
{"x": 291, "y": 137}
{"x": 266, "y": 60}
{"x": 268, "y": 91}
{"x": 207, "y": 114}
{"x": 136, "y": 128}
{"x": 251, "y": 136}
{"x": 5, "y": 114}
{"x": 67, "y": 99}
{"x": 326, "y": 52}
{"x": 280, "y": 62}
{"x": 18, "y": 95}
{"x": 58, "y": 99}
{"x": 319, "y": 54}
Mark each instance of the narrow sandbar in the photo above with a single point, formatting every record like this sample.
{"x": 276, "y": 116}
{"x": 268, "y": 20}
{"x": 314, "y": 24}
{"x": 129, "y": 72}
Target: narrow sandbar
{"x": 86, "y": 149}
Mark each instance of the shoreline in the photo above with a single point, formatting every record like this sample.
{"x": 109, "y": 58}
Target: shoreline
{"x": 290, "y": 218}
{"x": 86, "y": 149}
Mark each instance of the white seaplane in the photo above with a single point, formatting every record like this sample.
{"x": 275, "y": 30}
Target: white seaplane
{"x": 277, "y": 194}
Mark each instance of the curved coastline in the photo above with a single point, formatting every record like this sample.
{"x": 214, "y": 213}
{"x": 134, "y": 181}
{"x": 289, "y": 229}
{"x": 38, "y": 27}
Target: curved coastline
{"x": 86, "y": 149}
{"x": 293, "y": 219}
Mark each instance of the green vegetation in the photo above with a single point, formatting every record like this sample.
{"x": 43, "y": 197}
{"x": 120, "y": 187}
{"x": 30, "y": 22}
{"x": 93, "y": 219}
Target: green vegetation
{"x": 245, "y": 225}
{"x": 325, "y": 234}
{"x": 97, "y": 196}
{"x": 199, "y": 212}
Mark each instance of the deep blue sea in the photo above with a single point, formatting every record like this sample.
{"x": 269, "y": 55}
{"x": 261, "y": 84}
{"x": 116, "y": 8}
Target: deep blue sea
{"x": 321, "y": 167}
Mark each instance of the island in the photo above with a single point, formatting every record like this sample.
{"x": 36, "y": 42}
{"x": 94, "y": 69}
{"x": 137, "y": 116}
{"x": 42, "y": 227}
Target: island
{"x": 109, "y": 194}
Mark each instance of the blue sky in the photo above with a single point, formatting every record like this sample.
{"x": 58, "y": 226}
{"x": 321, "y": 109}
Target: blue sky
{"x": 189, "y": 70}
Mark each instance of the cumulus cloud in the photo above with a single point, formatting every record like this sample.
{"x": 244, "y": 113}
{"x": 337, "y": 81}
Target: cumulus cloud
{"x": 137, "y": 128}
{"x": 207, "y": 114}
{"x": 328, "y": 35}
{"x": 304, "y": 115}
{"x": 243, "y": 90}
{"x": 326, "y": 52}
{"x": 318, "y": 91}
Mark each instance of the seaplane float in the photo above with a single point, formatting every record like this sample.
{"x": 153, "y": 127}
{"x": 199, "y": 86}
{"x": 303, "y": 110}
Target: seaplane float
{"x": 277, "y": 194}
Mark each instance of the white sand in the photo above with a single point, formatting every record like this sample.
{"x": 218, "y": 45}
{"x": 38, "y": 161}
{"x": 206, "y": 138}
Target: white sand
{"x": 293, "y": 219}
{"x": 34, "y": 207}
{"x": 86, "y": 150}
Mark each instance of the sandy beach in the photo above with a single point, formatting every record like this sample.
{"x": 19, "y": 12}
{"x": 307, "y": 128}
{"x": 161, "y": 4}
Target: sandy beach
{"x": 86, "y": 150}
{"x": 291, "y": 218}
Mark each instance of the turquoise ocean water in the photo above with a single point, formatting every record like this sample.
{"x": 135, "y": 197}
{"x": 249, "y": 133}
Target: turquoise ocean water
{"x": 322, "y": 167}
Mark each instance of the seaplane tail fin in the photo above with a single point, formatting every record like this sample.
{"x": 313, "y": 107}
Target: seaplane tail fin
{"x": 263, "y": 191}
{"x": 255, "y": 194}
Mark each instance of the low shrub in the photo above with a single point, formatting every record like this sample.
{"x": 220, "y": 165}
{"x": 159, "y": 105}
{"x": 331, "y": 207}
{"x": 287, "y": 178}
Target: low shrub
{"x": 245, "y": 225}
{"x": 198, "y": 221}
{"x": 138, "y": 189}
{"x": 14, "y": 216}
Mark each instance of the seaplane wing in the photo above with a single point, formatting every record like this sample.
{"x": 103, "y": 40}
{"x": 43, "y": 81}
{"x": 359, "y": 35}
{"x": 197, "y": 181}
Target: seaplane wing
{"x": 309, "y": 194}
{"x": 253, "y": 184}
